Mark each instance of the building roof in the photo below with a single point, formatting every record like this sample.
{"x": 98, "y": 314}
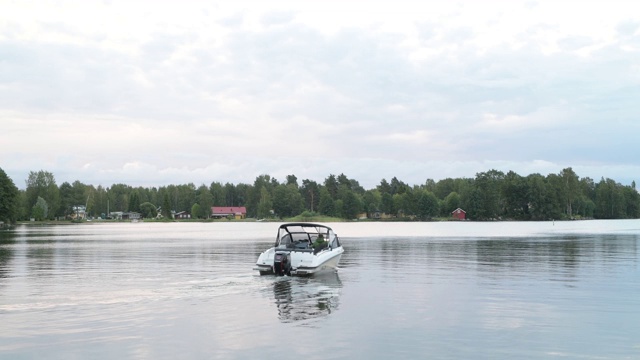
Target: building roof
{"x": 458, "y": 210}
{"x": 224, "y": 210}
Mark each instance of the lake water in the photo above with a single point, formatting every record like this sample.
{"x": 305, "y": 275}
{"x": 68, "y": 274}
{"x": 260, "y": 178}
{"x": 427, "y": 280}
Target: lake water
{"x": 454, "y": 290}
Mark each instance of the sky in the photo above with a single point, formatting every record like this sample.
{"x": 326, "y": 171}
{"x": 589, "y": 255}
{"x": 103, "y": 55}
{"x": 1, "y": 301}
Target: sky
{"x": 151, "y": 93}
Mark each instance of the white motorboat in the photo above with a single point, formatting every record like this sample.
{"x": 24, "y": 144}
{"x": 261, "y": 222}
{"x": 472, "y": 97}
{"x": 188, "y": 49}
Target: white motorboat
{"x": 301, "y": 249}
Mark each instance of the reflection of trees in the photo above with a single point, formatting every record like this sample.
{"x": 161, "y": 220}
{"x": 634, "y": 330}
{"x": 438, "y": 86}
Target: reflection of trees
{"x": 524, "y": 256}
{"x": 41, "y": 255}
{"x": 564, "y": 254}
{"x": 299, "y": 299}
{"x": 6, "y": 253}
{"x": 567, "y": 252}
{"x": 561, "y": 252}
{"x": 560, "y": 256}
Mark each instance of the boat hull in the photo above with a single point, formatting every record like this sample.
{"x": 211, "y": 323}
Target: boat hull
{"x": 329, "y": 264}
{"x": 302, "y": 263}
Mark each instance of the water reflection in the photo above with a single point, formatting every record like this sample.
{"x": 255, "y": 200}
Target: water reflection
{"x": 188, "y": 291}
{"x": 566, "y": 252}
{"x": 299, "y": 299}
{"x": 7, "y": 242}
{"x": 6, "y": 254}
{"x": 561, "y": 252}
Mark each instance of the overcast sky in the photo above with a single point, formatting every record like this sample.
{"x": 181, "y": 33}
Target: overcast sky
{"x": 150, "y": 93}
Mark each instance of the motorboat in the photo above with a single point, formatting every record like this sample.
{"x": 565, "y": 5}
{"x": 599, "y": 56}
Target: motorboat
{"x": 301, "y": 249}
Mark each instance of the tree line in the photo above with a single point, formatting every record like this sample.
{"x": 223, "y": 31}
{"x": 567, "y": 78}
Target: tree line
{"x": 489, "y": 195}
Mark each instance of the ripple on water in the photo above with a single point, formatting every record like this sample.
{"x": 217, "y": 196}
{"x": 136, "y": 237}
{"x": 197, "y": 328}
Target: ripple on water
{"x": 503, "y": 290}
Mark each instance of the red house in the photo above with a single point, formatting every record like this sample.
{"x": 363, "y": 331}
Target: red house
{"x": 459, "y": 214}
{"x": 236, "y": 212}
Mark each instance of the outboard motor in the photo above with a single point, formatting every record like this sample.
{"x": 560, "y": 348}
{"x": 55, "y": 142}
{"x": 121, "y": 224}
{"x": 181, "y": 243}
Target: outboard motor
{"x": 282, "y": 263}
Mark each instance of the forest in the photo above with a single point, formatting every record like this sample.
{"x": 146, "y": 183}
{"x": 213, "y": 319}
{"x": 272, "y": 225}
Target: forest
{"x": 490, "y": 195}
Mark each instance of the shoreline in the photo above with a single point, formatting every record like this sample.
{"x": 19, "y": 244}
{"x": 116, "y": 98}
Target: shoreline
{"x": 252, "y": 220}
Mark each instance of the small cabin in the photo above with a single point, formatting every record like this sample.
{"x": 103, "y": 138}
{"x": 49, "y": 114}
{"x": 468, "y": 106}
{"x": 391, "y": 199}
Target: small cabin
{"x": 132, "y": 215}
{"x": 182, "y": 215}
{"x": 459, "y": 214}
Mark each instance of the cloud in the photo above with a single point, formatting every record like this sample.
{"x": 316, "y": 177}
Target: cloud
{"x": 227, "y": 92}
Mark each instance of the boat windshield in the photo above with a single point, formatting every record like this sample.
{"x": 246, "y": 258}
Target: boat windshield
{"x": 294, "y": 235}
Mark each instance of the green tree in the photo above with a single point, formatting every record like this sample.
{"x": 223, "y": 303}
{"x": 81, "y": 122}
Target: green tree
{"x": 134, "y": 201}
{"x": 443, "y": 188}
{"x": 430, "y": 185}
{"x": 73, "y": 195}
{"x": 588, "y": 188}
{"x": 118, "y": 196}
{"x": 413, "y": 196}
{"x": 148, "y": 210}
{"x": 196, "y": 211}
{"x": 40, "y": 209}
{"x": 326, "y": 205}
{"x": 80, "y": 193}
{"x": 232, "y": 195}
{"x": 632, "y": 201}
{"x": 610, "y": 201}
{"x": 556, "y": 198}
{"x": 331, "y": 184}
{"x": 489, "y": 195}
{"x": 205, "y": 200}
{"x": 287, "y": 201}
{"x": 372, "y": 201}
{"x": 9, "y": 199}
{"x": 184, "y": 196}
{"x": 241, "y": 195}
{"x": 398, "y": 187}
{"x": 451, "y": 202}
{"x": 100, "y": 201}
{"x": 384, "y": 187}
{"x": 166, "y": 206}
{"x": 339, "y": 206}
{"x": 584, "y": 207}
{"x": 255, "y": 193}
{"x": 387, "y": 203}
{"x": 351, "y": 205}
{"x": 427, "y": 205}
{"x": 90, "y": 200}
{"x": 311, "y": 193}
{"x": 43, "y": 184}
{"x": 66, "y": 199}
{"x": 24, "y": 210}
{"x": 571, "y": 189}
{"x": 537, "y": 196}
{"x": 514, "y": 192}
{"x": 265, "y": 205}
{"x": 400, "y": 204}
{"x": 292, "y": 180}
{"x": 219, "y": 194}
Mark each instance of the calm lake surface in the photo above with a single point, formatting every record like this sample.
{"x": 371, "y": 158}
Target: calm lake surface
{"x": 454, "y": 290}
